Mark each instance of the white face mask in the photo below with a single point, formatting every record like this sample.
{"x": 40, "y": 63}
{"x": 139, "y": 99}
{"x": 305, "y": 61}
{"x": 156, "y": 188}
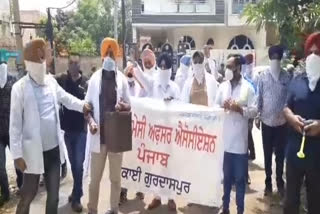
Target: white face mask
{"x": 313, "y": 70}
{"x": 37, "y": 71}
{"x": 228, "y": 74}
{"x": 275, "y": 68}
{"x": 3, "y": 75}
{"x": 130, "y": 79}
{"x": 149, "y": 71}
{"x": 164, "y": 77}
{"x": 198, "y": 71}
{"x": 184, "y": 69}
{"x": 109, "y": 64}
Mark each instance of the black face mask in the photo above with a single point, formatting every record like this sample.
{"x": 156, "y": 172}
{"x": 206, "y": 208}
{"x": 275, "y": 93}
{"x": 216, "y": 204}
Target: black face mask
{"x": 109, "y": 75}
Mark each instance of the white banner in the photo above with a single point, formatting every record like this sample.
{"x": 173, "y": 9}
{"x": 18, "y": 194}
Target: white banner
{"x": 177, "y": 151}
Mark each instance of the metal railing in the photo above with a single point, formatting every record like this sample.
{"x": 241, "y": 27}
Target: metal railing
{"x": 181, "y": 6}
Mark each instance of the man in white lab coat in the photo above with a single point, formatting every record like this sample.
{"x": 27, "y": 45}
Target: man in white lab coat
{"x": 201, "y": 87}
{"x": 108, "y": 92}
{"x": 160, "y": 87}
{"x": 183, "y": 72}
{"x": 35, "y": 135}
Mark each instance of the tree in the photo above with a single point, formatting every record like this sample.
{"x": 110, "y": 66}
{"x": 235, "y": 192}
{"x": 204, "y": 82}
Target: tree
{"x": 294, "y": 19}
{"x": 83, "y": 29}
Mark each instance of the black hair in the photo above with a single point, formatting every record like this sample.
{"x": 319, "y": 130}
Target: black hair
{"x": 210, "y": 41}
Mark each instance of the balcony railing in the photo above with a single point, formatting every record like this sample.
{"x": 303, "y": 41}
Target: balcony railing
{"x": 179, "y": 6}
{"x": 239, "y": 5}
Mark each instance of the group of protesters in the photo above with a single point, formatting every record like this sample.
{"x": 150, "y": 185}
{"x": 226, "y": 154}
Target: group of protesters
{"x": 284, "y": 103}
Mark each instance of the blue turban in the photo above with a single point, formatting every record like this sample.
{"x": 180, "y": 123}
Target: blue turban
{"x": 186, "y": 60}
{"x": 166, "y": 58}
{"x": 276, "y": 49}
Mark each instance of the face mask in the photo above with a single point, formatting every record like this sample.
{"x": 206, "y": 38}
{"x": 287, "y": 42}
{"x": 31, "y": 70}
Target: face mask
{"x": 131, "y": 81}
{"x": 313, "y": 70}
{"x": 184, "y": 69}
{"x": 275, "y": 68}
{"x": 109, "y": 64}
{"x": 164, "y": 76}
{"x": 149, "y": 71}
{"x": 37, "y": 71}
{"x": 228, "y": 74}
{"x": 198, "y": 71}
{"x": 3, "y": 75}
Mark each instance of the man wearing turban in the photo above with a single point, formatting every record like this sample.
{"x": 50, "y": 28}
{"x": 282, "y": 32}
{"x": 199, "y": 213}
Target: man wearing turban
{"x": 183, "y": 71}
{"x": 108, "y": 92}
{"x": 35, "y": 135}
{"x": 160, "y": 87}
{"x": 201, "y": 87}
{"x": 303, "y": 115}
{"x": 272, "y": 92}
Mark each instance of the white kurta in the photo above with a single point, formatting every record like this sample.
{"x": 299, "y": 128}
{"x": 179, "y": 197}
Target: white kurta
{"x": 25, "y": 138}
{"x": 212, "y": 88}
{"x": 235, "y": 135}
{"x": 181, "y": 77}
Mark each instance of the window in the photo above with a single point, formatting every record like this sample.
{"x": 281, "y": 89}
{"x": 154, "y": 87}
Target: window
{"x": 241, "y": 42}
{"x": 239, "y": 5}
{"x": 190, "y": 43}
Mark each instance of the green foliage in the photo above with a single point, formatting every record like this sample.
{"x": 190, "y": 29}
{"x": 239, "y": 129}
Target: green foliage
{"x": 82, "y": 30}
{"x": 294, "y": 18}
{"x": 83, "y": 46}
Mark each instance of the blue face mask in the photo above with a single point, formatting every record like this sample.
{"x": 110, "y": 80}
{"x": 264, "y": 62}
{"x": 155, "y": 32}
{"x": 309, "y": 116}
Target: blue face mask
{"x": 109, "y": 64}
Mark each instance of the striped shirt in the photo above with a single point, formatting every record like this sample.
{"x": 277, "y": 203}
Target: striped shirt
{"x": 272, "y": 96}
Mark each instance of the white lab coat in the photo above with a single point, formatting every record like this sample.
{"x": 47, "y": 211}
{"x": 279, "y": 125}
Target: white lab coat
{"x": 212, "y": 88}
{"x": 25, "y": 138}
{"x": 93, "y": 93}
{"x": 181, "y": 78}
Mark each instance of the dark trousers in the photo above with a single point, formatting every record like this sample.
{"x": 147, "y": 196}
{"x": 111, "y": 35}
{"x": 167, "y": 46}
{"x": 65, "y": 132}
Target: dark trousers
{"x": 274, "y": 139}
{"x": 295, "y": 178}
{"x": 30, "y": 185}
{"x": 4, "y": 184}
{"x": 235, "y": 168}
{"x": 76, "y": 146}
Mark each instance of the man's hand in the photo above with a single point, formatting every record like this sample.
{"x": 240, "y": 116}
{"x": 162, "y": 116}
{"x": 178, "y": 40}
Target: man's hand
{"x": 87, "y": 108}
{"x": 227, "y": 104}
{"x": 122, "y": 106}
{"x": 20, "y": 164}
{"x": 234, "y": 106}
{"x": 313, "y": 129}
{"x": 297, "y": 123}
{"x": 93, "y": 127}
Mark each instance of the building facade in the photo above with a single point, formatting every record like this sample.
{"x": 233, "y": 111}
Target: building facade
{"x": 7, "y": 40}
{"x": 195, "y": 22}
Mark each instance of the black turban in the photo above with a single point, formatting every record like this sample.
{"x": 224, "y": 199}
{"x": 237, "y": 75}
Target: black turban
{"x": 276, "y": 49}
{"x": 167, "y": 61}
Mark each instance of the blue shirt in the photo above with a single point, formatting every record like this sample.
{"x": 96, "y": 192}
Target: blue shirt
{"x": 272, "y": 96}
{"x": 302, "y": 101}
{"x": 48, "y": 117}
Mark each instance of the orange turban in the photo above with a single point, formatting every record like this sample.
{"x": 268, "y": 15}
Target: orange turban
{"x": 109, "y": 43}
{"x": 148, "y": 54}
